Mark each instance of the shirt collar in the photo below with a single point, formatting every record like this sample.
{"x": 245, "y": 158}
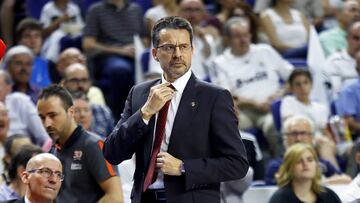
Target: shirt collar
{"x": 179, "y": 83}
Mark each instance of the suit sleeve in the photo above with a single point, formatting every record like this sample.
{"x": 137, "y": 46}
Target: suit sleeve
{"x": 121, "y": 144}
{"x": 228, "y": 161}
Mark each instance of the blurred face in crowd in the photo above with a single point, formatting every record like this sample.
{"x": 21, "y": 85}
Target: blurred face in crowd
{"x": 56, "y": 120}
{"x": 350, "y": 12}
{"x": 305, "y": 168}
{"x": 4, "y": 122}
{"x": 228, "y": 4}
{"x": 83, "y": 113}
{"x": 76, "y": 78}
{"x": 299, "y": 132}
{"x": 5, "y": 88}
{"x": 32, "y": 39}
{"x": 174, "y": 53}
{"x": 67, "y": 57}
{"x": 301, "y": 87}
{"x": 240, "y": 38}
{"x": 43, "y": 178}
{"x": 193, "y": 11}
{"x": 353, "y": 39}
{"x": 20, "y": 68}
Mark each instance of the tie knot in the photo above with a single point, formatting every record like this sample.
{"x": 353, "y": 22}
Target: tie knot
{"x": 172, "y": 87}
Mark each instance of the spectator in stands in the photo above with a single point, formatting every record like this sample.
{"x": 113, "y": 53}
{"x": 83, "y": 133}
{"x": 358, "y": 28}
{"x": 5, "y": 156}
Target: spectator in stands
{"x": 285, "y": 28}
{"x": 341, "y": 66}
{"x": 60, "y": 19}
{"x": 13, "y": 144}
{"x": 334, "y": 40}
{"x": 15, "y": 188}
{"x": 300, "y": 129}
{"x": 106, "y": 33}
{"x": 194, "y": 11}
{"x": 348, "y": 103}
{"x": 92, "y": 117}
{"x": 83, "y": 181}
{"x": 352, "y": 193}
{"x": 4, "y": 128}
{"x": 23, "y": 115}
{"x": 244, "y": 69}
{"x": 43, "y": 178}
{"x": 165, "y": 8}
{"x": 66, "y": 58}
{"x": 300, "y": 81}
{"x": 29, "y": 34}
{"x": 224, "y": 9}
{"x": 76, "y": 79}
{"x": 18, "y": 62}
{"x": 299, "y": 178}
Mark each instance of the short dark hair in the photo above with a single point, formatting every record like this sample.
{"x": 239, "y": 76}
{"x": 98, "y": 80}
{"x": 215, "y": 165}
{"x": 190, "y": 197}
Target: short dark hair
{"x": 21, "y": 158}
{"x": 10, "y": 140}
{"x": 172, "y": 22}
{"x": 56, "y": 90}
{"x": 297, "y": 72}
{"x": 27, "y": 24}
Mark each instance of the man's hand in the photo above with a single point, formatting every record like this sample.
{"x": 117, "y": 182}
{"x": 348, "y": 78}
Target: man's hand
{"x": 158, "y": 96}
{"x": 168, "y": 164}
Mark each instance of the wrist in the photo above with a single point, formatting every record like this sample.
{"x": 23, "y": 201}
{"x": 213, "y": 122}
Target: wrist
{"x": 182, "y": 168}
{"x": 144, "y": 114}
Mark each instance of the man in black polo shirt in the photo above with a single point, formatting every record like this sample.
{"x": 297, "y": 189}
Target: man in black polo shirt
{"x": 88, "y": 177}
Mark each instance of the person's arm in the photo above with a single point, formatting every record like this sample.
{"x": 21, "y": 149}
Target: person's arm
{"x": 352, "y": 123}
{"x": 112, "y": 190}
{"x": 54, "y": 25}
{"x": 91, "y": 44}
{"x": 268, "y": 27}
{"x": 7, "y": 12}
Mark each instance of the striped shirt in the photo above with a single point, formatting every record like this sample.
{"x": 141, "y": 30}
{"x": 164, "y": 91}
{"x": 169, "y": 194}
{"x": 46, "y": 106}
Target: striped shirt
{"x": 113, "y": 26}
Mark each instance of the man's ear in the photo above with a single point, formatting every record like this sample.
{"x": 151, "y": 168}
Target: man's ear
{"x": 25, "y": 177}
{"x": 154, "y": 54}
{"x": 71, "y": 111}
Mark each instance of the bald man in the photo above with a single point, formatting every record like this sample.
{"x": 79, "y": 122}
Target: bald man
{"x": 43, "y": 177}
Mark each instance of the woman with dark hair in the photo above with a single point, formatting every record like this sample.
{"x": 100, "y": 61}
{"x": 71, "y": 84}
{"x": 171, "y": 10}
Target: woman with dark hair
{"x": 299, "y": 178}
{"x": 286, "y": 28}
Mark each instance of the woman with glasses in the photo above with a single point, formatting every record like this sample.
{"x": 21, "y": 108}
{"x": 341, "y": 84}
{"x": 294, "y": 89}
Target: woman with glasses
{"x": 299, "y": 178}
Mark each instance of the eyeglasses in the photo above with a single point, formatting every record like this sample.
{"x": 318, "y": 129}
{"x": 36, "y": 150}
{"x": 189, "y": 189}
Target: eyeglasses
{"x": 298, "y": 133}
{"x": 171, "y": 48}
{"x": 47, "y": 173}
{"x": 78, "y": 80}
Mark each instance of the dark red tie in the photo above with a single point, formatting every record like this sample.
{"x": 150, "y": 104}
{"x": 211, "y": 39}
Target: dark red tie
{"x": 151, "y": 175}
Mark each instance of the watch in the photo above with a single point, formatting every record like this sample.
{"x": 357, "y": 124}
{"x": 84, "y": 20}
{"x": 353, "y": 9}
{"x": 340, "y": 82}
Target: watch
{"x": 182, "y": 168}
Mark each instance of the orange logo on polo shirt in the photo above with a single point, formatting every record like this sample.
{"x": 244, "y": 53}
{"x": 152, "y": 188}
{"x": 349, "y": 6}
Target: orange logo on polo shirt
{"x": 77, "y": 155}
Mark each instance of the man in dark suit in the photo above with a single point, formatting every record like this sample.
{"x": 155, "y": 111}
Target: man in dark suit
{"x": 43, "y": 177}
{"x": 199, "y": 145}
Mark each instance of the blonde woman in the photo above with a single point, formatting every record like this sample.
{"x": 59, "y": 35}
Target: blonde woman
{"x": 299, "y": 178}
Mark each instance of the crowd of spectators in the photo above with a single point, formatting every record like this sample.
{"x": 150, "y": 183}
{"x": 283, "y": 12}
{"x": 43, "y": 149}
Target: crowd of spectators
{"x": 257, "y": 49}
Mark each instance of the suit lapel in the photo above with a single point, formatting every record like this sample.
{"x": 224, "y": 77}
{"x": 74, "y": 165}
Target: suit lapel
{"x": 187, "y": 107}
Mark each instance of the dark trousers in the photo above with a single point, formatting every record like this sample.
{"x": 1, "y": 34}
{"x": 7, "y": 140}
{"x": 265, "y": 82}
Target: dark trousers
{"x": 153, "y": 196}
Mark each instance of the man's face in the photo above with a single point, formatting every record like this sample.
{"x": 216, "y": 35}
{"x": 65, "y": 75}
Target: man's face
{"x": 350, "y": 12}
{"x": 240, "y": 38}
{"x": 299, "y": 132}
{"x": 174, "y": 53}
{"x": 353, "y": 39}
{"x": 20, "y": 68}
{"x": 83, "y": 113}
{"x": 32, "y": 39}
{"x": 193, "y": 11}
{"x": 77, "y": 80}
{"x": 4, "y": 121}
{"x": 40, "y": 185}
{"x": 56, "y": 120}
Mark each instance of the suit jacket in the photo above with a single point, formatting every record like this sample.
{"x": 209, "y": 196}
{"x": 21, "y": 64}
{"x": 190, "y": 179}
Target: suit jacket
{"x": 205, "y": 137}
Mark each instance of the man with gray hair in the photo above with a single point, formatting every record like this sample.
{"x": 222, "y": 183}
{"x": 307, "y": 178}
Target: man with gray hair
{"x": 18, "y": 62}
{"x": 300, "y": 129}
{"x": 246, "y": 68}
{"x": 23, "y": 115}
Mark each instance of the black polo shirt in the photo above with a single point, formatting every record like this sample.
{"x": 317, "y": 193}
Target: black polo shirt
{"x": 84, "y": 168}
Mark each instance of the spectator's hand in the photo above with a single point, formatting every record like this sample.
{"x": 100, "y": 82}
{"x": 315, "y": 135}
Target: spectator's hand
{"x": 158, "y": 96}
{"x": 168, "y": 164}
{"x": 263, "y": 107}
